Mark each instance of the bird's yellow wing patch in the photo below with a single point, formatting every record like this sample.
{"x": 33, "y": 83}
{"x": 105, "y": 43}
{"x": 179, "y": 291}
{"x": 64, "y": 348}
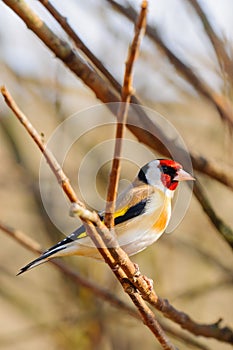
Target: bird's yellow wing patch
{"x": 119, "y": 213}
{"x": 120, "y": 216}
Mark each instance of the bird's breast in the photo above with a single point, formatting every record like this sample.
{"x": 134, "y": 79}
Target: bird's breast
{"x": 140, "y": 232}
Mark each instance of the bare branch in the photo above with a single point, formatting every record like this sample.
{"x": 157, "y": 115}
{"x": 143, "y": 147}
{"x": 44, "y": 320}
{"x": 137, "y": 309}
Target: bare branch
{"x": 224, "y": 334}
{"x": 126, "y": 93}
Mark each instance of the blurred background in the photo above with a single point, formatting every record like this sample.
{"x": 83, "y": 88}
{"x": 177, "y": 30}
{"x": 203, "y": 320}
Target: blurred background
{"x": 192, "y": 267}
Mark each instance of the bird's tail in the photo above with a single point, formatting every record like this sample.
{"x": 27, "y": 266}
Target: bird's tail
{"x": 49, "y": 254}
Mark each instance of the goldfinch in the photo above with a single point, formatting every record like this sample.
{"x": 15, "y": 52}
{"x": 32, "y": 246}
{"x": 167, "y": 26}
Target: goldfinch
{"x": 142, "y": 214}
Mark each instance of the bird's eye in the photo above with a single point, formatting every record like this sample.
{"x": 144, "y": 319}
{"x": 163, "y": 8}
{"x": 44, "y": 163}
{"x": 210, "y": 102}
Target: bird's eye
{"x": 165, "y": 169}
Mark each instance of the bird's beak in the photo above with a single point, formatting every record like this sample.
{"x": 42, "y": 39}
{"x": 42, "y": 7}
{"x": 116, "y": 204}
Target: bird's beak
{"x": 183, "y": 176}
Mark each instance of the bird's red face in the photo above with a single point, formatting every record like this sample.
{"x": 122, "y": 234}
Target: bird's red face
{"x": 171, "y": 173}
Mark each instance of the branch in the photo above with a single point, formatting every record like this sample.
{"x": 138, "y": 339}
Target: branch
{"x": 138, "y": 122}
{"x": 224, "y": 334}
{"x": 126, "y": 93}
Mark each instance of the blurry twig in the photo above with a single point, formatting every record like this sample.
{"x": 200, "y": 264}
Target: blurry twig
{"x": 224, "y": 60}
{"x": 35, "y": 247}
{"x": 219, "y": 224}
{"x": 214, "y": 170}
{"x": 222, "y": 104}
{"x": 126, "y": 93}
{"x": 55, "y": 167}
{"x": 206, "y": 256}
{"x": 205, "y": 288}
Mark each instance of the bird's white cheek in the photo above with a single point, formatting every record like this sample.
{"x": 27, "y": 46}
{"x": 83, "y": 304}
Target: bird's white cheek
{"x": 153, "y": 175}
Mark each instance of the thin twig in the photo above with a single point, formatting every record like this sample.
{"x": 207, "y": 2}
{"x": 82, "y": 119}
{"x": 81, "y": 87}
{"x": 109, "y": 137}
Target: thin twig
{"x": 224, "y": 334}
{"x": 126, "y": 93}
{"x": 206, "y": 256}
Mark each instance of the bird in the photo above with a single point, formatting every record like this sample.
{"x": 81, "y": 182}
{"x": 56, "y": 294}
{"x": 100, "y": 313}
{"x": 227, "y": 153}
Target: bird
{"x": 142, "y": 213}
